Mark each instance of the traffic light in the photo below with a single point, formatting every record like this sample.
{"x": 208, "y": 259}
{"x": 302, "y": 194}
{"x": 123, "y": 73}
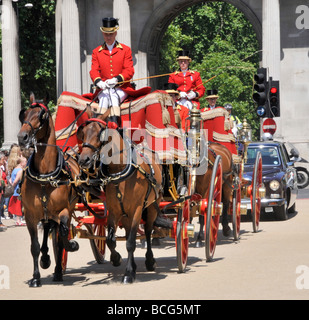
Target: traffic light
{"x": 261, "y": 88}
{"x": 274, "y": 99}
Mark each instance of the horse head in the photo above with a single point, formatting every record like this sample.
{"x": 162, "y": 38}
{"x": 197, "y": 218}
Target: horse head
{"x": 34, "y": 122}
{"x": 92, "y": 134}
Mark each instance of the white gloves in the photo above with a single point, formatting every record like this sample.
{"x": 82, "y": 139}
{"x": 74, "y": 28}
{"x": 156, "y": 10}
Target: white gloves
{"x": 111, "y": 82}
{"x": 102, "y": 85}
{"x": 191, "y": 95}
{"x": 108, "y": 84}
{"x": 183, "y": 95}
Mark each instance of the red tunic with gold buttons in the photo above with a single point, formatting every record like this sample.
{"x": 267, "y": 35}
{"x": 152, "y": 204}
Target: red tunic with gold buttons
{"x": 190, "y": 81}
{"x": 118, "y": 63}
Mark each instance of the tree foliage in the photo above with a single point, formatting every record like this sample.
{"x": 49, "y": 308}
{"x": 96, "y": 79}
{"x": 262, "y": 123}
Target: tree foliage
{"x": 36, "y": 52}
{"x": 223, "y": 47}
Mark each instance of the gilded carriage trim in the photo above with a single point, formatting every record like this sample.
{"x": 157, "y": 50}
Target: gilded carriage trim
{"x": 156, "y": 132}
{"x": 223, "y": 137}
{"x": 218, "y": 112}
{"x": 76, "y": 103}
{"x": 148, "y": 100}
{"x": 65, "y": 133}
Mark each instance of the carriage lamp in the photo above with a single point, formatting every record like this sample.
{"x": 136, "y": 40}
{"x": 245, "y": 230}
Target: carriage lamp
{"x": 246, "y": 132}
{"x": 194, "y": 134}
{"x": 195, "y": 118}
{"x": 245, "y": 138}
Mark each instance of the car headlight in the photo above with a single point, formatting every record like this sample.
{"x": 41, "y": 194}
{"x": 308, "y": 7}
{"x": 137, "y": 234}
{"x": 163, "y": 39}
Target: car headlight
{"x": 274, "y": 185}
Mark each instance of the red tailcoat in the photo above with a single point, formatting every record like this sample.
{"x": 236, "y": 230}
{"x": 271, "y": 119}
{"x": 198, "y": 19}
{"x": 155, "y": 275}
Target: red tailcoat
{"x": 191, "y": 81}
{"x": 106, "y": 65}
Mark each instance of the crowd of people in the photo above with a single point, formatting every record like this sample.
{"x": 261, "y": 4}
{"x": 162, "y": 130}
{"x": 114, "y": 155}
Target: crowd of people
{"x": 12, "y": 163}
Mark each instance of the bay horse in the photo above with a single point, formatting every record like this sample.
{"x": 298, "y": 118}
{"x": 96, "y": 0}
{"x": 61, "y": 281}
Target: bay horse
{"x": 203, "y": 181}
{"x": 47, "y": 195}
{"x": 133, "y": 186}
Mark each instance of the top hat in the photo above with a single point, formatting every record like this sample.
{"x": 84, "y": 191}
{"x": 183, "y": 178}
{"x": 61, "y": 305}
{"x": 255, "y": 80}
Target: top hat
{"x": 213, "y": 93}
{"x": 228, "y": 106}
{"x": 110, "y": 25}
{"x": 171, "y": 88}
{"x": 183, "y": 55}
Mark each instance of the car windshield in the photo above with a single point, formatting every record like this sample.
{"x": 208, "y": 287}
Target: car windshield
{"x": 270, "y": 155}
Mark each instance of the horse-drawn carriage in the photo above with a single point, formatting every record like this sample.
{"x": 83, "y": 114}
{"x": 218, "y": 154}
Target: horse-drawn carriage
{"x": 148, "y": 176}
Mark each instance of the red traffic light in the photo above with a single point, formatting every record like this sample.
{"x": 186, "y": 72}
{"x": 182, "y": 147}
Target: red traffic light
{"x": 273, "y": 90}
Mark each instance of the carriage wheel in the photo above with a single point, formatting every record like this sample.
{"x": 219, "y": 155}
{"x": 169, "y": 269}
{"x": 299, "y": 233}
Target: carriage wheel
{"x": 213, "y": 209}
{"x": 182, "y": 239}
{"x": 98, "y": 246}
{"x": 236, "y": 203}
{"x": 236, "y": 213}
{"x": 255, "y": 196}
{"x": 64, "y": 260}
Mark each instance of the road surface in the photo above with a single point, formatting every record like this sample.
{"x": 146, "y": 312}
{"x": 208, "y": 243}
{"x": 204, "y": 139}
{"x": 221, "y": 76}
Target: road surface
{"x": 270, "y": 264}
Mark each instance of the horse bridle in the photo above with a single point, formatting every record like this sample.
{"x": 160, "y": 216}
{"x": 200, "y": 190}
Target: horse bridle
{"x": 102, "y": 124}
{"x": 43, "y": 117}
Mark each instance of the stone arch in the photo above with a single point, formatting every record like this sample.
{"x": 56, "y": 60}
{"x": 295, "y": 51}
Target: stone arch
{"x": 166, "y": 13}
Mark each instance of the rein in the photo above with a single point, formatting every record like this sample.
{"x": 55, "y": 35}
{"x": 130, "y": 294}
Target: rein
{"x": 131, "y": 166}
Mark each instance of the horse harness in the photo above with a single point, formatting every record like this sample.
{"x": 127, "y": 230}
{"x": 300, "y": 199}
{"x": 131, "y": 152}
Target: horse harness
{"x": 62, "y": 175}
{"x": 128, "y": 171}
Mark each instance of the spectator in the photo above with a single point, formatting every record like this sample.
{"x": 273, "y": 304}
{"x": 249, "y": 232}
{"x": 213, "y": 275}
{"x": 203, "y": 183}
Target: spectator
{"x": 2, "y": 182}
{"x": 15, "y": 206}
{"x": 4, "y": 201}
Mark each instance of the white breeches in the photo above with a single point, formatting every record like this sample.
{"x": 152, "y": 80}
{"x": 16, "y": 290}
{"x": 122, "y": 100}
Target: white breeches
{"x": 185, "y": 102}
{"x": 111, "y": 98}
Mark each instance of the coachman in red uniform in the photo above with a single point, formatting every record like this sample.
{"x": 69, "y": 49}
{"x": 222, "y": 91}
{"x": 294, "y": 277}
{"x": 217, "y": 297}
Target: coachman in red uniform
{"x": 217, "y": 122}
{"x": 111, "y": 70}
{"x": 190, "y": 84}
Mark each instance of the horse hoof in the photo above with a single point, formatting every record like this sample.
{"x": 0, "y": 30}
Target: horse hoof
{"x": 116, "y": 260}
{"x": 127, "y": 280}
{"x": 151, "y": 265}
{"x": 226, "y": 231}
{"x": 74, "y": 246}
{"x": 45, "y": 263}
{"x": 34, "y": 283}
{"x": 58, "y": 277}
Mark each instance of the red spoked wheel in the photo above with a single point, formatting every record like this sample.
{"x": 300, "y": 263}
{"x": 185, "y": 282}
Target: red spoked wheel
{"x": 214, "y": 208}
{"x": 236, "y": 212}
{"x": 98, "y": 246}
{"x": 182, "y": 238}
{"x": 255, "y": 197}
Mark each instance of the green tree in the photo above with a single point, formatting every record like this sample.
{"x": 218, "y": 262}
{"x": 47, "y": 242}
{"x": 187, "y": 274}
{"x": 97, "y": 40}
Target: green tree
{"x": 223, "y": 46}
{"x": 37, "y": 53}
{"x": 37, "y": 50}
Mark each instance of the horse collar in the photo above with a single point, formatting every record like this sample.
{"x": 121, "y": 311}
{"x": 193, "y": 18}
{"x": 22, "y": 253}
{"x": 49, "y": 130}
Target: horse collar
{"x": 52, "y": 178}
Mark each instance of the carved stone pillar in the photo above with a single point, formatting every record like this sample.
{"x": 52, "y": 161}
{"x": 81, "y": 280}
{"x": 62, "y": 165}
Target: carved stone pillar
{"x": 11, "y": 72}
{"x": 71, "y": 47}
{"x": 271, "y": 37}
{"x": 121, "y": 10}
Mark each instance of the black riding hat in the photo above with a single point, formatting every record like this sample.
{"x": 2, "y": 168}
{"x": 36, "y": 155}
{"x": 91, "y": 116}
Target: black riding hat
{"x": 183, "y": 55}
{"x": 109, "y": 25}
